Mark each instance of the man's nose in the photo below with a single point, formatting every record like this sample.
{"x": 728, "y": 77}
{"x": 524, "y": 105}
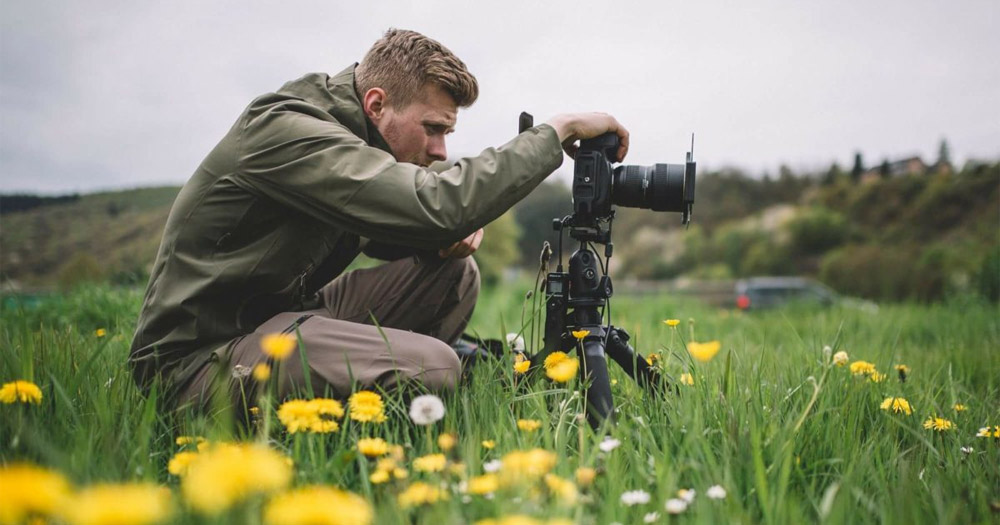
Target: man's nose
{"x": 436, "y": 149}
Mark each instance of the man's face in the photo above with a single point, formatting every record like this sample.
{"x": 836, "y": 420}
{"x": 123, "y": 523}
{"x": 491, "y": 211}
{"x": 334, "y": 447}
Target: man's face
{"x": 416, "y": 133}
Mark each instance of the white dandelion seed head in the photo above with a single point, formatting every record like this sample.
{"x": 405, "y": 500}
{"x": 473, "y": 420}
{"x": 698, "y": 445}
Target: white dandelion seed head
{"x": 241, "y": 371}
{"x": 426, "y": 409}
{"x": 675, "y": 506}
{"x": 651, "y": 517}
{"x": 492, "y": 466}
{"x": 515, "y": 342}
{"x": 635, "y": 497}
{"x": 609, "y": 444}
{"x": 716, "y": 492}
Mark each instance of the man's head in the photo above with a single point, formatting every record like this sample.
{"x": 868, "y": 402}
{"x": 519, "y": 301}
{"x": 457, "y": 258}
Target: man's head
{"x": 411, "y": 88}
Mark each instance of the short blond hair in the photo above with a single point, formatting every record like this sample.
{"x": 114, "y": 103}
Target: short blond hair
{"x": 402, "y": 62}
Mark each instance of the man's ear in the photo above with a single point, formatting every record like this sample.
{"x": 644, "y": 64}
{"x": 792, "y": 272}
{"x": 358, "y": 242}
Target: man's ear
{"x": 373, "y": 103}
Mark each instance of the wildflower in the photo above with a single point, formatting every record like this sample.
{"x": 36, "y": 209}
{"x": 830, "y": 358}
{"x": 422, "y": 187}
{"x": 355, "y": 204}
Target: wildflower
{"x": 635, "y": 497}
{"x": 560, "y": 367}
{"x": 228, "y": 473}
{"x": 716, "y": 492}
{"x": 179, "y": 464}
{"x": 373, "y": 447}
{"x": 561, "y": 488}
{"x": 515, "y": 342}
{"x": 100, "y": 332}
{"x": 687, "y": 495}
{"x": 651, "y": 517}
{"x": 492, "y": 466}
{"x": 959, "y": 407}
{"x": 20, "y": 391}
{"x": 314, "y": 415}
{"x": 366, "y": 406}
{"x": 485, "y": 484}
{"x": 840, "y": 358}
{"x": 876, "y": 377}
{"x": 580, "y": 334}
{"x": 133, "y": 503}
{"x": 585, "y": 476}
{"x": 860, "y": 368}
{"x": 379, "y": 477}
{"x": 489, "y": 444}
{"x": 687, "y": 379}
{"x": 386, "y": 469}
{"x": 651, "y": 359}
{"x": 278, "y": 346}
{"x": 967, "y": 450}
{"x": 421, "y": 493}
{"x": 526, "y": 465}
{"x": 608, "y": 444}
{"x": 985, "y": 432}
{"x": 446, "y": 441}
{"x": 704, "y": 352}
{"x": 896, "y": 405}
{"x": 529, "y": 425}
{"x": 189, "y": 440}
{"x": 318, "y": 504}
{"x": 939, "y": 424}
{"x": 430, "y": 463}
{"x": 521, "y": 364}
{"x": 27, "y": 490}
{"x": 672, "y": 322}
{"x": 261, "y": 372}
{"x": 903, "y": 371}
{"x": 675, "y": 506}
{"x": 426, "y": 409}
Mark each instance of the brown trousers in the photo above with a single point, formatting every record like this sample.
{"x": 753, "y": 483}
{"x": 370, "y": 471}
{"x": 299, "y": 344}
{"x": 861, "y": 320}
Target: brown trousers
{"x": 419, "y": 308}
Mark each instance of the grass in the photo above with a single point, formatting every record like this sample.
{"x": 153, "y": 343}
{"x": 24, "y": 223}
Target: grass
{"x": 790, "y": 437}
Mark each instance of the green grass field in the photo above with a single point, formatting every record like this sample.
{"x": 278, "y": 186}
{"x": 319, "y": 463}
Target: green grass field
{"x": 790, "y": 436}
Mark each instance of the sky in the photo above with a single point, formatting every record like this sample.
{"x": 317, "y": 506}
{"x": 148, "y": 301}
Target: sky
{"x": 105, "y": 95}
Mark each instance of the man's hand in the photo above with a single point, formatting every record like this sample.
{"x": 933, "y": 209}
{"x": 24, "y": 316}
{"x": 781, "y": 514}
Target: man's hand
{"x": 463, "y": 248}
{"x": 572, "y": 127}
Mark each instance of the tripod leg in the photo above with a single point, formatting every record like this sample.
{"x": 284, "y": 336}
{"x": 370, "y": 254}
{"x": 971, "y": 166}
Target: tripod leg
{"x": 600, "y": 404}
{"x": 632, "y": 362}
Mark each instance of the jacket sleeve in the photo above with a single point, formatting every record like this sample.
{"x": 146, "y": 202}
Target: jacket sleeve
{"x": 320, "y": 168}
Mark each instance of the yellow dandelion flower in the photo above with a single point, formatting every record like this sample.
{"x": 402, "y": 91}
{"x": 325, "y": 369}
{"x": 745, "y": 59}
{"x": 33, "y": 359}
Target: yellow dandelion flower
{"x": 959, "y": 407}
{"x": 366, "y": 406}
{"x": 860, "y": 368}
{"x": 373, "y": 447}
{"x": 420, "y": 493}
{"x": 687, "y": 379}
{"x": 651, "y": 359}
{"x": 178, "y": 464}
{"x": 525, "y": 465}
{"x": 896, "y": 405}
{"x": 904, "y": 372}
{"x": 485, "y": 484}
{"x": 318, "y": 505}
{"x": 430, "y": 463}
{"x": 521, "y": 363}
{"x": 840, "y": 358}
{"x": 20, "y": 391}
{"x": 27, "y": 490}
{"x": 100, "y": 332}
{"x": 561, "y": 488}
{"x": 580, "y": 334}
{"x": 278, "y": 346}
{"x": 261, "y": 372}
{"x": 314, "y": 415}
{"x": 529, "y": 425}
{"x": 228, "y": 473}
{"x": 132, "y": 503}
{"x": 987, "y": 432}
{"x": 876, "y": 377}
{"x": 489, "y": 444}
{"x": 189, "y": 440}
{"x": 704, "y": 352}
{"x": 585, "y": 476}
{"x": 938, "y": 423}
{"x": 446, "y": 441}
{"x": 457, "y": 469}
{"x": 379, "y": 477}
{"x": 560, "y": 367}
{"x": 672, "y": 322}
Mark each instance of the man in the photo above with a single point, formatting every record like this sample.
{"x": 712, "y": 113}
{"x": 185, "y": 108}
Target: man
{"x": 307, "y": 178}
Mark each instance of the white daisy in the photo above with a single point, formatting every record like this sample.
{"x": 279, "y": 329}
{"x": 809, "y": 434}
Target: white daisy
{"x": 686, "y": 495}
{"x": 716, "y": 492}
{"x": 492, "y": 466}
{"x": 650, "y": 517}
{"x": 515, "y": 342}
{"x": 675, "y": 506}
{"x": 609, "y": 444}
{"x": 635, "y": 497}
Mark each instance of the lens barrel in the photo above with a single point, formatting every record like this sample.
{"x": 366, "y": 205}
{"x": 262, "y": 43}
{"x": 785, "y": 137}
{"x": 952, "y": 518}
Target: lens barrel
{"x": 659, "y": 187}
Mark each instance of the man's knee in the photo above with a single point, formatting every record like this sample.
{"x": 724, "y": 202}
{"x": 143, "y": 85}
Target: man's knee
{"x": 435, "y": 366}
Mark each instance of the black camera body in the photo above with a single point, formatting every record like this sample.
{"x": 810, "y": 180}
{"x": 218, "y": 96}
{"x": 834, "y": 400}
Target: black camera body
{"x": 597, "y": 185}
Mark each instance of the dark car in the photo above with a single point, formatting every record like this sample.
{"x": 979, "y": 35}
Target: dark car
{"x": 769, "y": 292}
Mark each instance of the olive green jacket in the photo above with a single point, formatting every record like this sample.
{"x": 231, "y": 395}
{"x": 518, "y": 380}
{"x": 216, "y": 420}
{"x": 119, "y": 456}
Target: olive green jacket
{"x": 281, "y": 205}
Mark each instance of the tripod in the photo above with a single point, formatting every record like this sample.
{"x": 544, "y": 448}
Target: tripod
{"x": 575, "y": 301}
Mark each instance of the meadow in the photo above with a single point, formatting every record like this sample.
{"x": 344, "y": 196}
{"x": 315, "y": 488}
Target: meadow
{"x": 778, "y": 427}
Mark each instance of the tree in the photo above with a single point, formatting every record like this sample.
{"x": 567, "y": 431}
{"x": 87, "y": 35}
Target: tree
{"x": 859, "y": 167}
{"x": 498, "y": 250}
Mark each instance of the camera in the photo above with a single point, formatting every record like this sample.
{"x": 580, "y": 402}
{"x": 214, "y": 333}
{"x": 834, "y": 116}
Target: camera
{"x": 597, "y": 185}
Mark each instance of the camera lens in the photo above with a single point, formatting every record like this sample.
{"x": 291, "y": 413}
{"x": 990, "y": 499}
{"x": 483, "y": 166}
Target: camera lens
{"x": 659, "y": 187}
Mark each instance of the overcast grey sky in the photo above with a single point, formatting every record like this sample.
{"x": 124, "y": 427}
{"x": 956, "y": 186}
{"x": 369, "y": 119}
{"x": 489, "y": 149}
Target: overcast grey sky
{"x": 97, "y": 95}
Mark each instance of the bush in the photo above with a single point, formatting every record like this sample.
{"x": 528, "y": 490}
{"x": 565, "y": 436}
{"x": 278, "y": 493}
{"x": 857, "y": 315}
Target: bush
{"x": 814, "y": 231}
{"x": 987, "y": 277}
